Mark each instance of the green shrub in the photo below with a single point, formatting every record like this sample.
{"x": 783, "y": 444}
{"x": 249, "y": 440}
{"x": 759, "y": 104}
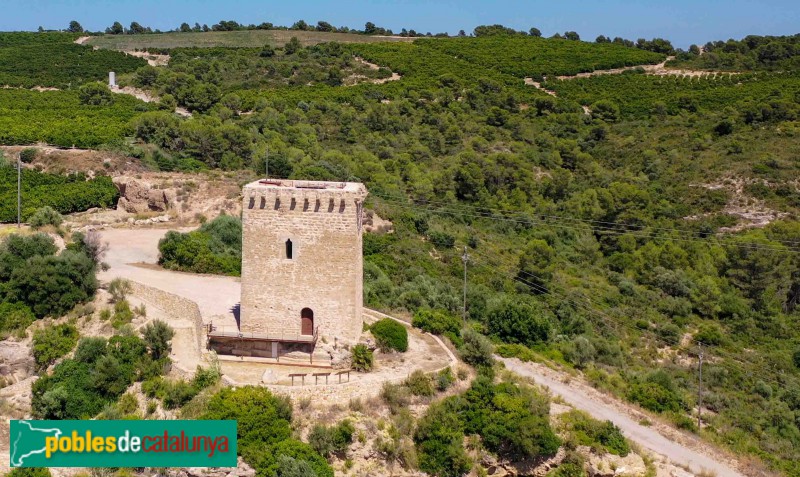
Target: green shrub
{"x": 53, "y": 285}
{"x": 655, "y": 397}
{"x": 390, "y": 335}
{"x": 29, "y": 472}
{"x": 206, "y": 377}
{"x": 420, "y": 384}
{"x": 263, "y": 428}
{"x": 128, "y": 404}
{"x": 331, "y": 440}
{"x": 15, "y": 317}
{"x": 95, "y": 94}
{"x": 119, "y": 288}
{"x": 439, "y": 441}
{"x": 477, "y": 350}
{"x": 437, "y": 322}
{"x": 157, "y": 336}
{"x": 45, "y": 216}
{"x": 516, "y": 320}
{"x": 28, "y": 155}
{"x": 444, "y": 379}
{"x": 154, "y": 388}
{"x": 53, "y": 342}
{"x": 177, "y": 393}
{"x": 521, "y": 352}
{"x": 442, "y": 240}
{"x": 123, "y": 314}
{"x": 395, "y": 396}
{"x": 361, "y": 358}
{"x": 591, "y": 432}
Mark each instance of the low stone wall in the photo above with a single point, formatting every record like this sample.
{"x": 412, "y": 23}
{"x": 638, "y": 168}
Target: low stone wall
{"x": 173, "y": 305}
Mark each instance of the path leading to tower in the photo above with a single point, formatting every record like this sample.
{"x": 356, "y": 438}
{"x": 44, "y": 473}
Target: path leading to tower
{"x": 133, "y": 254}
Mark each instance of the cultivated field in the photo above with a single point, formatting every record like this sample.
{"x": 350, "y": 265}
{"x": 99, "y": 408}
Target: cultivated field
{"x": 246, "y": 38}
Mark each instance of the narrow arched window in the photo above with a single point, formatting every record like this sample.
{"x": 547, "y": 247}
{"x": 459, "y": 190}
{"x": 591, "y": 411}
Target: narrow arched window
{"x": 289, "y": 249}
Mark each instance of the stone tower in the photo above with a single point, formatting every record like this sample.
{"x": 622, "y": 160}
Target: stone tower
{"x": 301, "y": 260}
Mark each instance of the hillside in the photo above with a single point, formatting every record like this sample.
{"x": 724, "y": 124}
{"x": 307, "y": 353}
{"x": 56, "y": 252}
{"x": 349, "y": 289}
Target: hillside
{"x": 229, "y": 39}
{"x": 617, "y": 227}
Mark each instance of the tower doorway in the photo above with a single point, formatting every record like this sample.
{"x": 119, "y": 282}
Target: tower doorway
{"x": 306, "y": 321}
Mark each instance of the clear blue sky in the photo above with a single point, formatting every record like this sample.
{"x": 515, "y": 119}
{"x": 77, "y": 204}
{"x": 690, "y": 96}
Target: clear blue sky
{"x": 681, "y": 21}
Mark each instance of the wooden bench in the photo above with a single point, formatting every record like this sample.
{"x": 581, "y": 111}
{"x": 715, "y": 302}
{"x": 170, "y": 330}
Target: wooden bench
{"x": 302, "y": 378}
{"x": 340, "y": 373}
{"x": 318, "y": 375}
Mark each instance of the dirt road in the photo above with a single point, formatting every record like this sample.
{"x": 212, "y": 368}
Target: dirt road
{"x": 684, "y": 454}
{"x": 131, "y": 250}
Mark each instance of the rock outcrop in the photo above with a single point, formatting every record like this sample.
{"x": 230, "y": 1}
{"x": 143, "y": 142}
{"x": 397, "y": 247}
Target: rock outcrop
{"x": 16, "y": 361}
{"x": 137, "y": 197}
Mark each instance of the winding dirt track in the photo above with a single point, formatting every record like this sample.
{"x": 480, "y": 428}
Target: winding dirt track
{"x": 685, "y": 454}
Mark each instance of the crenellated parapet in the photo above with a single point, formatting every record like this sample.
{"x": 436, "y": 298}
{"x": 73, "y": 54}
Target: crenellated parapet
{"x": 305, "y": 196}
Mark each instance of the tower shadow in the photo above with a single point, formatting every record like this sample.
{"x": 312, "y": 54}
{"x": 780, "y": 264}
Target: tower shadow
{"x": 237, "y": 314}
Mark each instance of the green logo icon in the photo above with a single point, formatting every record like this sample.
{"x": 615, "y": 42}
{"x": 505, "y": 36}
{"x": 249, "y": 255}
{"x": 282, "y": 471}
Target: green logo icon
{"x": 122, "y": 443}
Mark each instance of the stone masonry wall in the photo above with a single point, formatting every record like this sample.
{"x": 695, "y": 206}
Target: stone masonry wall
{"x": 173, "y": 305}
{"x": 325, "y": 273}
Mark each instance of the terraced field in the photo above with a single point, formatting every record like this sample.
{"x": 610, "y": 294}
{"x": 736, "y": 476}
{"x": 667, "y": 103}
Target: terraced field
{"x": 247, "y": 38}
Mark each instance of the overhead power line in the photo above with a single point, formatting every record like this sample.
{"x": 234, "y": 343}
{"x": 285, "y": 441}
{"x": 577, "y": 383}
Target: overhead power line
{"x": 732, "y": 241}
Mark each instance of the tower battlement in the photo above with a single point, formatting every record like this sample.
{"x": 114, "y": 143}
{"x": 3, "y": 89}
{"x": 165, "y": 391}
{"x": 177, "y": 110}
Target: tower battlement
{"x": 307, "y": 196}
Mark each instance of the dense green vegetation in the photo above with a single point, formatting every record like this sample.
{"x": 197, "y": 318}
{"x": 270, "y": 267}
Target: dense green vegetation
{"x": 99, "y": 372}
{"x": 214, "y": 248}
{"x": 54, "y": 60}
{"x": 51, "y": 343}
{"x": 753, "y": 52}
{"x": 264, "y": 67}
{"x": 264, "y": 434}
{"x": 512, "y": 420}
{"x": 59, "y": 118}
{"x": 33, "y": 279}
{"x": 65, "y": 194}
{"x": 522, "y": 56}
{"x": 229, "y": 39}
{"x": 751, "y": 98}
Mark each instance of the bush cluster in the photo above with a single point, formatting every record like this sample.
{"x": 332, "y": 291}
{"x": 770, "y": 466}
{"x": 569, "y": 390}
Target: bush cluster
{"x": 100, "y": 371}
{"x": 53, "y": 342}
{"x": 216, "y": 247}
{"x": 35, "y": 278}
{"x": 176, "y": 393}
{"x": 512, "y": 421}
{"x": 362, "y": 359}
{"x": 591, "y": 432}
{"x": 331, "y": 440}
{"x": 390, "y": 335}
{"x": 264, "y": 434}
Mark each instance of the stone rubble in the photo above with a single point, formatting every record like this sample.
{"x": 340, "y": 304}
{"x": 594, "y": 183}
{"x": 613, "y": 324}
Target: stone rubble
{"x": 138, "y": 197}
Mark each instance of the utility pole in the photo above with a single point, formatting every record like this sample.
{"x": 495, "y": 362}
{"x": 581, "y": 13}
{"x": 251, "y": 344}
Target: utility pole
{"x": 465, "y": 259}
{"x": 267, "y": 162}
{"x": 700, "y": 387}
{"x": 19, "y": 189}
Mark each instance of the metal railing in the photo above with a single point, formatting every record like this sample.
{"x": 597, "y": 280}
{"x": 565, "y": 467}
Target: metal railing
{"x": 213, "y": 331}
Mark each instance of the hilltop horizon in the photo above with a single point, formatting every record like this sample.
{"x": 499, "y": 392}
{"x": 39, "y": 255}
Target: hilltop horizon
{"x": 683, "y": 23}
